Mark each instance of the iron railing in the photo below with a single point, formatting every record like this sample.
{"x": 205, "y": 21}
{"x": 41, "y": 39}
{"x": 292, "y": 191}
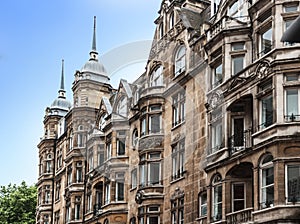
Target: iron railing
{"x": 97, "y": 209}
{"x": 240, "y": 141}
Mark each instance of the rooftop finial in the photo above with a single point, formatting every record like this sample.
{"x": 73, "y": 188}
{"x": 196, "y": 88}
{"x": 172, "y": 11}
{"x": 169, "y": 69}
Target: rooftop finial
{"x": 62, "y": 82}
{"x": 61, "y": 91}
{"x": 94, "y": 36}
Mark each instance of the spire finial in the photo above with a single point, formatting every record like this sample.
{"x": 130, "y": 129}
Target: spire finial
{"x": 62, "y": 82}
{"x": 61, "y": 91}
{"x": 94, "y": 36}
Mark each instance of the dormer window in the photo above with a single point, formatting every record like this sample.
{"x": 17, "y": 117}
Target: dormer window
{"x": 156, "y": 77}
{"x": 180, "y": 60}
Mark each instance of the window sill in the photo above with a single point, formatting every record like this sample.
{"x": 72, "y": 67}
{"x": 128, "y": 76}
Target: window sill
{"x": 177, "y": 179}
{"x": 178, "y": 125}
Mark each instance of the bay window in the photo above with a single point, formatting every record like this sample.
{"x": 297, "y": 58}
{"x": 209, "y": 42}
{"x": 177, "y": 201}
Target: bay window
{"x": 151, "y": 121}
{"x": 150, "y": 169}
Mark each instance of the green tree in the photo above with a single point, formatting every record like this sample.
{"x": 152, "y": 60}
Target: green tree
{"x": 18, "y": 204}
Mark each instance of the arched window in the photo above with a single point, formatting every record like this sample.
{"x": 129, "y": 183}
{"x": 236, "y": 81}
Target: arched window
{"x": 237, "y": 9}
{"x": 171, "y": 21}
{"x": 217, "y": 198}
{"x": 266, "y": 181}
{"x": 180, "y": 60}
{"x": 156, "y": 77}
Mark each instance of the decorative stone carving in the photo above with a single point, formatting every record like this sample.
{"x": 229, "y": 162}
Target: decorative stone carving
{"x": 177, "y": 194}
{"x": 139, "y": 196}
{"x": 215, "y": 99}
{"x": 150, "y": 142}
{"x": 263, "y": 69}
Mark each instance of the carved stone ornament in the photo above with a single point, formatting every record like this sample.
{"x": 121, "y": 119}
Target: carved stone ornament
{"x": 150, "y": 142}
{"x": 263, "y": 69}
{"x": 215, "y": 99}
{"x": 177, "y": 194}
{"x": 139, "y": 197}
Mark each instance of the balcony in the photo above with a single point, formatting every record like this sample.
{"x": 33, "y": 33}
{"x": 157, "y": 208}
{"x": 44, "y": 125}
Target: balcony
{"x": 240, "y": 141}
{"x": 227, "y": 23}
{"x": 243, "y": 216}
{"x": 152, "y": 91}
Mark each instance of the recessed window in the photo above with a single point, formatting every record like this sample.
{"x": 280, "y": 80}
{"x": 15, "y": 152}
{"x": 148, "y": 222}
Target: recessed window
{"x": 238, "y": 196}
{"x": 178, "y": 108}
{"x": 178, "y": 160}
{"x": 150, "y": 169}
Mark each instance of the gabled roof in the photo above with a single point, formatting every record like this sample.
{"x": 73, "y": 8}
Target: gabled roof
{"x": 105, "y": 102}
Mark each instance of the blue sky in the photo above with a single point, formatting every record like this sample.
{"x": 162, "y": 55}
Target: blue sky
{"x": 35, "y": 37}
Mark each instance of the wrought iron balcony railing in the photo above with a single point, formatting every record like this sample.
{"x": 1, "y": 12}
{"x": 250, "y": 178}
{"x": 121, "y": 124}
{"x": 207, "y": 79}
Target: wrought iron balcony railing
{"x": 97, "y": 209}
{"x": 291, "y": 118}
{"x": 240, "y": 141}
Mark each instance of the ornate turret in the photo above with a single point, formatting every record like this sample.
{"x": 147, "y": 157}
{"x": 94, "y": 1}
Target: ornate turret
{"x": 93, "y": 69}
{"x": 61, "y": 105}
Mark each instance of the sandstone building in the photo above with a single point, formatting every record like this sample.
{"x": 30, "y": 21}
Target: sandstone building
{"x": 209, "y": 133}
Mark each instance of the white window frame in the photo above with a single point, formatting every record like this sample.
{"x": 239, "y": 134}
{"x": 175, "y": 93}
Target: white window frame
{"x": 263, "y": 167}
{"x": 156, "y": 77}
{"x": 180, "y": 60}
{"x": 202, "y": 204}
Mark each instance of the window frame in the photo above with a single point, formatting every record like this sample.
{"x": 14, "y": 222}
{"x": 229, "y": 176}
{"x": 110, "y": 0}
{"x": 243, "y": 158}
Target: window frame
{"x": 180, "y": 60}
{"x": 293, "y": 199}
{"x": 264, "y": 166}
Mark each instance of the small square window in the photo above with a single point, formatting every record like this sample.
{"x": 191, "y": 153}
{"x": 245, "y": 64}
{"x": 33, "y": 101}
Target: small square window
{"x": 290, "y": 8}
{"x": 238, "y": 46}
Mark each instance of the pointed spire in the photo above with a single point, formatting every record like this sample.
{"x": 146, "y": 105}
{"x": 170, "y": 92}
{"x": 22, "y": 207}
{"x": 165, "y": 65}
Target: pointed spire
{"x": 94, "y": 53}
{"x": 62, "y": 81}
{"x": 61, "y": 91}
{"x": 94, "y": 36}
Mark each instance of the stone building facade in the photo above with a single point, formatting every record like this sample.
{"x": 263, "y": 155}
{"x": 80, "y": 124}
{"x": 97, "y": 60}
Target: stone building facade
{"x": 207, "y": 134}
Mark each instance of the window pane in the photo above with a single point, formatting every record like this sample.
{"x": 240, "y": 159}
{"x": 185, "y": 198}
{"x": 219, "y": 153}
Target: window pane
{"x": 293, "y": 183}
{"x": 155, "y": 123}
{"x": 267, "y": 41}
{"x": 238, "y": 64}
{"x": 154, "y": 173}
{"x": 267, "y": 111}
{"x": 292, "y": 101}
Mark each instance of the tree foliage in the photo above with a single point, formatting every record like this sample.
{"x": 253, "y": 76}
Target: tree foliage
{"x": 17, "y": 204}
